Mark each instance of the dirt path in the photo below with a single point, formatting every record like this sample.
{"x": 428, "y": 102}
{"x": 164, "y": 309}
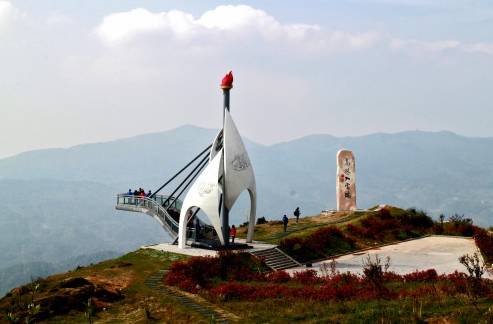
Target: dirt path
{"x": 191, "y": 301}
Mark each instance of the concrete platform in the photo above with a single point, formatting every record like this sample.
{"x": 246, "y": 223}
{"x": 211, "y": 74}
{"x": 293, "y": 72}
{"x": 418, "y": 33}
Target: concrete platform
{"x": 168, "y": 247}
{"x": 435, "y": 252}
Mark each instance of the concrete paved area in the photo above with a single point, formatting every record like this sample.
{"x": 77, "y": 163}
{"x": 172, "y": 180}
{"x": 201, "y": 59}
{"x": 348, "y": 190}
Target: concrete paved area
{"x": 438, "y": 252}
{"x": 168, "y": 247}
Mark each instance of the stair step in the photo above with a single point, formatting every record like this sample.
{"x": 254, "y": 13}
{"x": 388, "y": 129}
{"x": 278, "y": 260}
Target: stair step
{"x": 276, "y": 259}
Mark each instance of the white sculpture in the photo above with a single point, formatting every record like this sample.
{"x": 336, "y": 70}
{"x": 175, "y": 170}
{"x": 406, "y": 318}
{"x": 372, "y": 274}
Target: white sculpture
{"x": 346, "y": 181}
{"x": 228, "y": 173}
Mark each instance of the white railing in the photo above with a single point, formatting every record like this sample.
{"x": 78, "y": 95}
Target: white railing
{"x": 152, "y": 206}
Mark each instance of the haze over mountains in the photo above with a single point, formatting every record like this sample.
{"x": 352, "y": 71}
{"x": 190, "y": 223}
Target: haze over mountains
{"x": 58, "y": 204}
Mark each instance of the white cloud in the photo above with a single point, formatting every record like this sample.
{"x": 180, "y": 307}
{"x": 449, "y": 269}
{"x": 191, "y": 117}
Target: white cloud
{"x": 6, "y": 11}
{"x": 423, "y": 47}
{"x": 58, "y": 18}
{"x": 123, "y": 26}
{"x": 483, "y": 48}
{"x": 229, "y": 20}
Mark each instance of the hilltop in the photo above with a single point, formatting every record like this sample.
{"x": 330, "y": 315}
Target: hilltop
{"x": 154, "y": 286}
{"x": 58, "y": 204}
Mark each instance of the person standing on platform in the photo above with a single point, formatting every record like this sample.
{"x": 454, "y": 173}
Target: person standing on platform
{"x": 285, "y": 221}
{"x": 297, "y": 214}
{"x": 232, "y": 233}
{"x": 142, "y": 195}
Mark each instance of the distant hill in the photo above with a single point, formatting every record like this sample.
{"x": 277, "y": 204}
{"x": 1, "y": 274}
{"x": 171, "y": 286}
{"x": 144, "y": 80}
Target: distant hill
{"x": 58, "y": 203}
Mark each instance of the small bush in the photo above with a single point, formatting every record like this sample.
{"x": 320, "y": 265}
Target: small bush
{"x": 261, "y": 220}
{"x": 425, "y": 275}
{"x": 475, "y": 269}
{"x": 278, "y": 276}
{"x": 373, "y": 272}
{"x": 320, "y": 244}
{"x": 199, "y": 272}
{"x": 484, "y": 242}
{"x": 306, "y": 277}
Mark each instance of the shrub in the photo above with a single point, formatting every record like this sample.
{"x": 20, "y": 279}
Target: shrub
{"x": 321, "y": 243}
{"x": 356, "y": 230}
{"x": 458, "y": 281}
{"x": 306, "y": 277}
{"x": 261, "y": 220}
{"x": 373, "y": 272}
{"x": 385, "y": 213}
{"x": 278, "y": 276}
{"x": 245, "y": 224}
{"x": 484, "y": 242}
{"x": 199, "y": 272}
{"x": 419, "y": 219}
{"x": 425, "y": 275}
{"x": 475, "y": 269}
{"x": 196, "y": 271}
{"x": 232, "y": 290}
{"x": 383, "y": 225}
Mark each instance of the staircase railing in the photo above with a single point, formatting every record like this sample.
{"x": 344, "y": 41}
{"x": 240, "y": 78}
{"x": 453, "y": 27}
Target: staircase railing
{"x": 152, "y": 206}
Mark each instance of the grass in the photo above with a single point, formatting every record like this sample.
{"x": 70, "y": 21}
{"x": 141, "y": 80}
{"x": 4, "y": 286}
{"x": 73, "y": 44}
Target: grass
{"x": 448, "y": 310}
{"x": 273, "y": 231}
{"x": 128, "y": 272}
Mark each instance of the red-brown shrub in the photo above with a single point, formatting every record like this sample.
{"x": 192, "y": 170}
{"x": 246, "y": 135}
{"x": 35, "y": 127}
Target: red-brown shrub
{"x": 278, "y": 276}
{"x": 320, "y": 244}
{"x": 306, "y": 277}
{"x": 484, "y": 241}
{"x": 232, "y": 290}
{"x": 198, "y": 272}
{"x": 424, "y": 275}
{"x": 356, "y": 230}
{"x": 458, "y": 280}
{"x": 195, "y": 271}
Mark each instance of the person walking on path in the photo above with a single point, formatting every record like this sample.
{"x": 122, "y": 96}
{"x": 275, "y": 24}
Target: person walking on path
{"x": 232, "y": 233}
{"x": 297, "y": 214}
{"x": 285, "y": 221}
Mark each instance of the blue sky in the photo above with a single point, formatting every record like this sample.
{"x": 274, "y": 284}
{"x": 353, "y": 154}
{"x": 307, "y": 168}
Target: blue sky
{"x": 88, "y": 71}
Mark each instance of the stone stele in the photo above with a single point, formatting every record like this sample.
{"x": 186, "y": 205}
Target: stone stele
{"x": 346, "y": 181}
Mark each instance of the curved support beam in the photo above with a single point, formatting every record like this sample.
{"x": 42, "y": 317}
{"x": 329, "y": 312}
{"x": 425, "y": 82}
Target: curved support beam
{"x": 204, "y": 194}
{"x": 253, "y": 214}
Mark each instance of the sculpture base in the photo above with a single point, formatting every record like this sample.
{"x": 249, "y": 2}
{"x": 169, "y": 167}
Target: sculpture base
{"x": 216, "y": 246}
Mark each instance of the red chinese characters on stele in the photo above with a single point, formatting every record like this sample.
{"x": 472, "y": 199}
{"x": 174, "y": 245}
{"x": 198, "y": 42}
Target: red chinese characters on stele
{"x": 346, "y": 181}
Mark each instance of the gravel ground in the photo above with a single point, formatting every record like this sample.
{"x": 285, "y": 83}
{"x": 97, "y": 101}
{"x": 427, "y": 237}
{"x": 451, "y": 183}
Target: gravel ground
{"x": 438, "y": 252}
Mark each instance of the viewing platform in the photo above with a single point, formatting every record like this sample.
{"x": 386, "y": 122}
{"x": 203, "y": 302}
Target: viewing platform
{"x": 165, "y": 209}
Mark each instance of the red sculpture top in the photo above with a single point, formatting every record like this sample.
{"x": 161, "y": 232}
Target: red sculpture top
{"x": 227, "y": 82}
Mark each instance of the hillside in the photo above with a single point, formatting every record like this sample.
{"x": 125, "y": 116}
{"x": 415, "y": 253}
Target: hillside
{"x": 152, "y": 286}
{"x": 57, "y": 204}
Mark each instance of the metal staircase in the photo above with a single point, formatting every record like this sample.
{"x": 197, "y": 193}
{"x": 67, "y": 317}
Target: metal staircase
{"x": 152, "y": 207}
{"x": 166, "y": 208}
{"x": 276, "y": 259}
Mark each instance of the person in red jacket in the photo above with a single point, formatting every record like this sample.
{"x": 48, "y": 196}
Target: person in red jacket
{"x": 232, "y": 233}
{"x": 142, "y": 195}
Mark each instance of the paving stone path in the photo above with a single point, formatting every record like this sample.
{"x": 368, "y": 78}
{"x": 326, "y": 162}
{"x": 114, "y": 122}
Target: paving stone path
{"x": 204, "y": 308}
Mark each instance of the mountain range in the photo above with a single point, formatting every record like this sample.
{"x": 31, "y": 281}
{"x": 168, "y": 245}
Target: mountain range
{"x": 58, "y": 204}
